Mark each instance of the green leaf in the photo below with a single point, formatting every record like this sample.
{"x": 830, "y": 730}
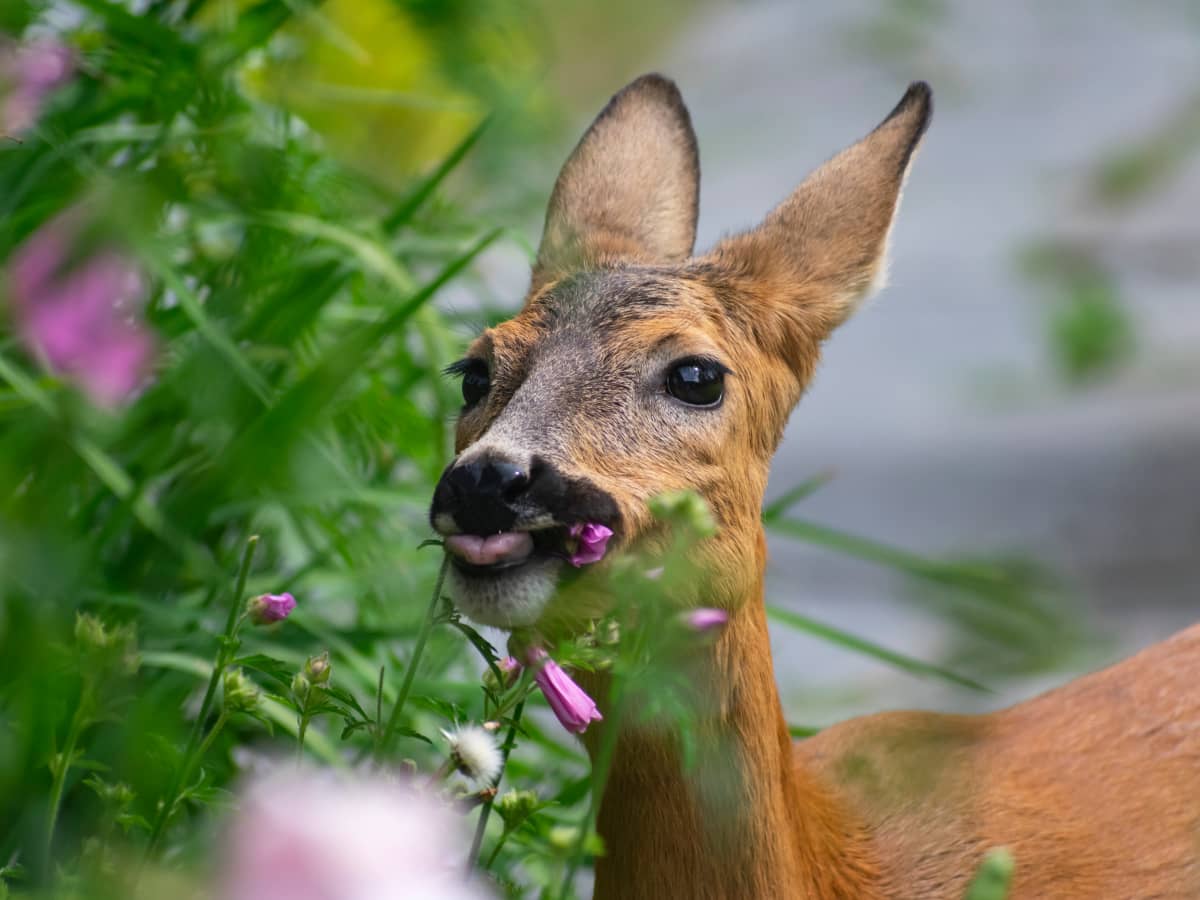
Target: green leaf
{"x": 347, "y": 700}
{"x": 180, "y": 662}
{"x": 481, "y": 644}
{"x": 803, "y": 731}
{"x": 780, "y": 506}
{"x": 409, "y": 732}
{"x": 352, "y": 727}
{"x": 406, "y": 210}
{"x": 285, "y": 701}
{"x": 994, "y": 878}
{"x": 129, "y": 821}
{"x": 276, "y": 669}
{"x": 969, "y": 577}
{"x": 867, "y": 648}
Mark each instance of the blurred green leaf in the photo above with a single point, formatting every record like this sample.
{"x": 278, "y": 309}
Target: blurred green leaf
{"x": 1091, "y": 332}
{"x": 994, "y": 878}
{"x": 867, "y": 648}
{"x": 779, "y": 507}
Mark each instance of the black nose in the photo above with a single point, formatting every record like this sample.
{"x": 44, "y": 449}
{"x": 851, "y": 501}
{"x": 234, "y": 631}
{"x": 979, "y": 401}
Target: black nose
{"x": 488, "y": 477}
{"x": 479, "y": 494}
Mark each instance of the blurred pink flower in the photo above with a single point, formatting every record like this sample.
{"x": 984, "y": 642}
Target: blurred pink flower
{"x": 28, "y": 74}
{"x": 310, "y": 835}
{"x": 267, "y": 609}
{"x": 572, "y": 706}
{"x": 593, "y": 541}
{"x": 705, "y": 619}
{"x": 78, "y": 312}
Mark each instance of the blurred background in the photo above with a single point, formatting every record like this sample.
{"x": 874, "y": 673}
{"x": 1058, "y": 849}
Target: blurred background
{"x": 273, "y": 224}
{"x": 1027, "y": 389}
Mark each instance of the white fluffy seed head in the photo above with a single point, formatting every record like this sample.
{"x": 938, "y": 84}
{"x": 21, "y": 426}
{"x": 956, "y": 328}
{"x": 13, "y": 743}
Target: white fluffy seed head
{"x": 475, "y": 753}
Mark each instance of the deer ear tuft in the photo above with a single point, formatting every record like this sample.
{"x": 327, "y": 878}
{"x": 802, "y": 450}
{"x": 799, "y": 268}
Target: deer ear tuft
{"x": 630, "y": 190}
{"x": 912, "y": 114}
{"x": 825, "y": 246}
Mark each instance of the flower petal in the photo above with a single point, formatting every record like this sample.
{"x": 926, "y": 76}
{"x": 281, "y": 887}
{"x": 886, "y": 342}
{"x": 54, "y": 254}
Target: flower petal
{"x": 705, "y": 619}
{"x": 571, "y": 705}
{"x": 593, "y": 542}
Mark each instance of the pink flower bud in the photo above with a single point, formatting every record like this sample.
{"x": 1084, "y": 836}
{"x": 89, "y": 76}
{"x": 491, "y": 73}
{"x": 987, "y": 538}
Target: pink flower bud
{"x": 572, "y": 706}
{"x": 705, "y": 619}
{"x": 592, "y": 542}
{"x": 266, "y": 609}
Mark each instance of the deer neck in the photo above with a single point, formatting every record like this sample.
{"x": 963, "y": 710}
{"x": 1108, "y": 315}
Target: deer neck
{"x": 743, "y": 821}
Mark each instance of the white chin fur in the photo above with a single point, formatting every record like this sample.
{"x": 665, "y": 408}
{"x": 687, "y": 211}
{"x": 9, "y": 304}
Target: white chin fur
{"x": 508, "y": 599}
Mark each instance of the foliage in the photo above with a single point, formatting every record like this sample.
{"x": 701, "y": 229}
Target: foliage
{"x": 1091, "y": 333}
{"x": 994, "y": 878}
{"x": 296, "y": 398}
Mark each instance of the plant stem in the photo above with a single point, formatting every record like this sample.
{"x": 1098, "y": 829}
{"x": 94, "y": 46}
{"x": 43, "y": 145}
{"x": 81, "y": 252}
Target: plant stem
{"x": 232, "y": 622}
{"x": 491, "y": 860}
{"x": 207, "y": 742}
{"x": 189, "y": 764}
{"x": 300, "y": 736}
{"x": 379, "y": 705}
{"x": 510, "y": 740}
{"x": 208, "y": 739}
{"x": 389, "y": 732}
{"x": 608, "y": 746}
{"x": 60, "y": 773}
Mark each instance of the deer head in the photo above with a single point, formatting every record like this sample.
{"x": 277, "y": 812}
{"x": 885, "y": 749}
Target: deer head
{"x": 635, "y": 368}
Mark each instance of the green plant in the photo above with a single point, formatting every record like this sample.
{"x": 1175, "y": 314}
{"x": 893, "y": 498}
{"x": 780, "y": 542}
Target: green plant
{"x": 279, "y": 430}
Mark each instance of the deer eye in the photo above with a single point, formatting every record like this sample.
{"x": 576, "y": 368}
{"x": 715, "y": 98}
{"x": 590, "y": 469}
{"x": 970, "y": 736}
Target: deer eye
{"x": 697, "y": 381}
{"x": 476, "y": 382}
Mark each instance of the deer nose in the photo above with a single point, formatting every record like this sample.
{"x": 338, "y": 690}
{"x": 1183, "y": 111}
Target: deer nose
{"x": 478, "y": 495}
{"x": 487, "y": 478}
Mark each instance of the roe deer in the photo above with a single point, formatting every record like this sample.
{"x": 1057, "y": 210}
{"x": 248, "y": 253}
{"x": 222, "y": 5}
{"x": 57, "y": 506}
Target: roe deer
{"x": 635, "y": 368}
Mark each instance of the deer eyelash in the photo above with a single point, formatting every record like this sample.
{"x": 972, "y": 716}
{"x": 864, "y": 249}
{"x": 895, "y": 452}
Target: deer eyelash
{"x": 460, "y": 367}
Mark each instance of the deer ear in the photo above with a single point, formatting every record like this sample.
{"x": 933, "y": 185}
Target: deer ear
{"x": 630, "y": 190}
{"x": 825, "y": 246}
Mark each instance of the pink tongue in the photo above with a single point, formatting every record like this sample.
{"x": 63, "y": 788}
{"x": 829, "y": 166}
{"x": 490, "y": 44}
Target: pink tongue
{"x": 508, "y": 546}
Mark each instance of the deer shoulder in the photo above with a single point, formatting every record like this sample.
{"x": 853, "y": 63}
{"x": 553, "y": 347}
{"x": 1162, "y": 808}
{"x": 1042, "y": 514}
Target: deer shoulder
{"x": 1094, "y": 786}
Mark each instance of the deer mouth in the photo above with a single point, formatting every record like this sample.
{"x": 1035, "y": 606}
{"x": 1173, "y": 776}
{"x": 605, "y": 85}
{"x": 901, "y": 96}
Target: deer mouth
{"x": 481, "y": 555}
{"x": 497, "y": 551}
{"x": 506, "y": 580}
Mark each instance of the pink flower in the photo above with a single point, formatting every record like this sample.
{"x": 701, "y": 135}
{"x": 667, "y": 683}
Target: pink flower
{"x": 308, "y": 835}
{"x": 593, "y": 541}
{"x": 705, "y": 619}
{"x": 266, "y": 609}
{"x": 78, "y": 313}
{"x": 28, "y": 75}
{"x": 572, "y": 706}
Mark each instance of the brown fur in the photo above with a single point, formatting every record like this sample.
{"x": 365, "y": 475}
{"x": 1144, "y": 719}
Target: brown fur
{"x": 1095, "y": 787}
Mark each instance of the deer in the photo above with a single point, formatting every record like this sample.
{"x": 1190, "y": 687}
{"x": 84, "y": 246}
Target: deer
{"x": 636, "y": 367}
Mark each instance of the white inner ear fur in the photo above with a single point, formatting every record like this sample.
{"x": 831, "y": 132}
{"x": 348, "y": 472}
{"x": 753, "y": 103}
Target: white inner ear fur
{"x": 883, "y": 263}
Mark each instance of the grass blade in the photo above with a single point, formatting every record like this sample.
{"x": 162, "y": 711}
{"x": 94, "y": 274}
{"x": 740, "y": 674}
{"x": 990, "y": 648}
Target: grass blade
{"x": 777, "y": 508}
{"x": 867, "y": 648}
{"x": 409, "y": 206}
{"x": 980, "y": 578}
